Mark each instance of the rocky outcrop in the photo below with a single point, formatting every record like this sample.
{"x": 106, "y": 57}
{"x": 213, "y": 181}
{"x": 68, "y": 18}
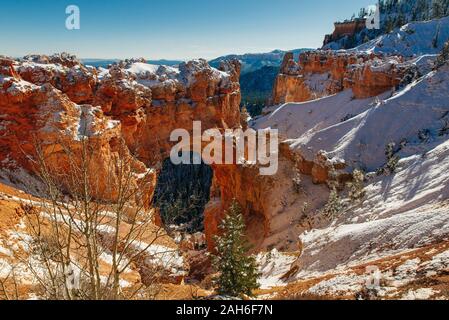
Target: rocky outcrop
{"x": 151, "y": 101}
{"x": 133, "y": 108}
{"x": 375, "y": 77}
{"x": 270, "y": 203}
{"x": 322, "y": 73}
{"x": 148, "y": 101}
{"x": 345, "y": 29}
{"x": 40, "y": 117}
{"x": 63, "y": 72}
{"x": 251, "y": 191}
{"x": 126, "y": 112}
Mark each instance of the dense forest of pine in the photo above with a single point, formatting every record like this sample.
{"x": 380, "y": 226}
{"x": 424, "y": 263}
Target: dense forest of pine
{"x": 396, "y": 13}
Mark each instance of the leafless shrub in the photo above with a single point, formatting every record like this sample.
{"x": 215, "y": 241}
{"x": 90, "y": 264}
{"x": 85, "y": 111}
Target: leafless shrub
{"x": 84, "y": 218}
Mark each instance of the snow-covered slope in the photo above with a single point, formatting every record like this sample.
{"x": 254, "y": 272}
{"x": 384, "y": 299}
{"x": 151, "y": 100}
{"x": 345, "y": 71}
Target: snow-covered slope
{"x": 169, "y": 78}
{"x": 413, "y": 39}
{"x": 304, "y": 119}
{"x": 399, "y": 235}
{"x": 393, "y": 14}
{"x": 407, "y": 210}
{"x": 401, "y": 228}
{"x": 359, "y": 130}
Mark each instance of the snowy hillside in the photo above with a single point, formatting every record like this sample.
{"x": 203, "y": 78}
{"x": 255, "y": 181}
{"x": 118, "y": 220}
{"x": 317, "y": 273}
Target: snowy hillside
{"x": 303, "y": 119}
{"x": 399, "y": 232}
{"x": 402, "y": 211}
{"x": 421, "y": 107}
{"x": 412, "y": 39}
{"x": 401, "y": 226}
{"x": 358, "y": 130}
{"x": 393, "y": 15}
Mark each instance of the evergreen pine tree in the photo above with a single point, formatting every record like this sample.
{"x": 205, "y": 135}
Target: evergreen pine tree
{"x": 356, "y": 186}
{"x": 392, "y": 159}
{"x": 437, "y": 9}
{"x": 237, "y": 270}
{"x": 400, "y": 21}
{"x": 443, "y": 58}
{"x": 334, "y": 205}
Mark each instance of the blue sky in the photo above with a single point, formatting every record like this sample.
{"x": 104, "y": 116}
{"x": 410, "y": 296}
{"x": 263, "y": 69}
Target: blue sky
{"x": 176, "y": 29}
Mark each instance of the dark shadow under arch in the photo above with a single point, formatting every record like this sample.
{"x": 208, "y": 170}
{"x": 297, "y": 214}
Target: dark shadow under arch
{"x": 182, "y": 193}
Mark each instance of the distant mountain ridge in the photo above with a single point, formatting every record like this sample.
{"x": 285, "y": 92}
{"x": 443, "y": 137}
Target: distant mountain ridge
{"x": 255, "y": 61}
{"x": 104, "y": 63}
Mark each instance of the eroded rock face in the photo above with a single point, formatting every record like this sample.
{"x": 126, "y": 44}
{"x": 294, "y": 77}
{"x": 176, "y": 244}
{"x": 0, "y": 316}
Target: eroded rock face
{"x": 152, "y": 101}
{"x": 129, "y": 113}
{"x": 41, "y": 117}
{"x": 250, "y": 190}
{"x": 125, "y": 112}
{"x": 133, "y": 108}
{"x": 148, "y": 101}
{"x": 63, "y": 72}
{"x": 323, "y": 73}
{"x": 36, "y": 115}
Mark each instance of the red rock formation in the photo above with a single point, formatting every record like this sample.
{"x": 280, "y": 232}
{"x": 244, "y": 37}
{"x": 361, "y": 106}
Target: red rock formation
{"x": 34, "y": 116}
{"x": 250, "y": 189}
{"x": 345, "y": 29}
{"x": 138, "y": 110}
{"x": 323, "y": 73}
{"x": 151, "y": 105}
{"x": 374, "y": 79}
{"x": 138, "y": 107}
{"x": 63, "y": 72}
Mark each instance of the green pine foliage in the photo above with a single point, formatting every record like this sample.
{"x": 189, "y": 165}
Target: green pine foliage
{"x": 356, "y": 186}
{"x": 439, "y": 8}
{"x": 443, "y": 58}
{"x": 256, "y": 87}
{"x": 334, "y": 205}
{"x": 392, "y": 159}
{"x": 237, "y": 270}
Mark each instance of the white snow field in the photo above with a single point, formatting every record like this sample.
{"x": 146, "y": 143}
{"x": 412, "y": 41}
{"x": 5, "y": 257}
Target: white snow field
{"x": 413, "y": 39}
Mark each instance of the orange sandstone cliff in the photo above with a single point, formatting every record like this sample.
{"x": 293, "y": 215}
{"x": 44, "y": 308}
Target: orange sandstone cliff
{"x": 129, "y": 111}
{"x": 322, "y": 73}
{"x": 125, "y": 112}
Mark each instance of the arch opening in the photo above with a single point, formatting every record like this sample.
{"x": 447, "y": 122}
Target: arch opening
{"x": 181, "y": 195}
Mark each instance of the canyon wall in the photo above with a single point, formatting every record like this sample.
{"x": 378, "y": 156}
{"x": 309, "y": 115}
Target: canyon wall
{"x": 129, "y": 110}
{"x": 42, "y": 128}
{"x": 322, "y": 73}
{"x": 126, "y": 112}
{"x": 345, "y": 29}
{"x": 152, "y": 101}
